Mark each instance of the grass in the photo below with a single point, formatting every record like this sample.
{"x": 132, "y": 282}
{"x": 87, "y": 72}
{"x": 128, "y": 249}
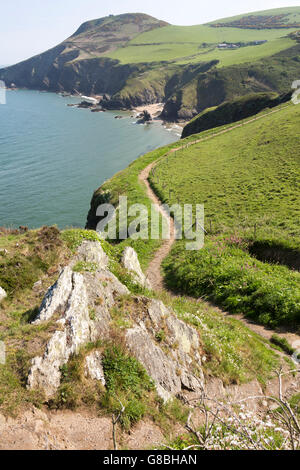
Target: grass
{"x": 74, "y": 237}
{"x": 293, "y": 15}
{"x": 228, "y": 276}
{"x": 233, "y": 111}
{"x": 127, "y": 384}
{"x": 245, "y": 177}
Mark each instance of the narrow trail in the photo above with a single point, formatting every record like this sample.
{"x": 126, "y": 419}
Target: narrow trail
{"x": 154, "y": 270}
{"x": 154, "y": 273}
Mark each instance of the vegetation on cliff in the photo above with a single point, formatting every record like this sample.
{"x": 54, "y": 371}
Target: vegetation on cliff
{"x": 232, "y": 111}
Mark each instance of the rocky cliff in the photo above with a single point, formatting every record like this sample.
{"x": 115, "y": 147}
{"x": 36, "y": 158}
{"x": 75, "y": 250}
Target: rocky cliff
{"x": 78, "y": 63}
{"x": 76, "y": 294}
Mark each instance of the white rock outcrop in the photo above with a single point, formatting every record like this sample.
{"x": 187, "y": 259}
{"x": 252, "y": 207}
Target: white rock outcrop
{"x": 56, "y": 297}
{"x": 131, "y": 262}
{"x": 92, "y": 252}
{"x": 181, "y": 368}
{"x": 3, "y": 294}
{"x": 78, "y": 329}
{"x": 94, "y": 368}
{"x": 72, "y": 298}
{"x": 167, "y": 347}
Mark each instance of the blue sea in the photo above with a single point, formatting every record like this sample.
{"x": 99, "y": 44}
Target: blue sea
{"x": 53, "y": 156}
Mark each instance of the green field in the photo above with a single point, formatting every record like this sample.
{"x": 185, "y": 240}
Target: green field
{"x": 136, "y": 60}
{"x": 179, "y": 43}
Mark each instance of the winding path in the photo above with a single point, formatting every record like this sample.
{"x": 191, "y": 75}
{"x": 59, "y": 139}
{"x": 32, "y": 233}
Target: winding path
{"x": 154, "y": 273}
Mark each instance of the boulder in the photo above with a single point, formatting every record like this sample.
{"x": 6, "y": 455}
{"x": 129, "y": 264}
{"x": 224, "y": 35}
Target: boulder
{"x": 3, "y": 294}
{"x": 157, "y": 364}
{"x": 131, "y": 262}
{"x": 77, "y": 330}
{"x": 181, "y": 368}
{"x": 56, "y": 297}
{"x": 144, "y": 117}
{"x": 92, "y": 252}
{"x": 74, "y": 296}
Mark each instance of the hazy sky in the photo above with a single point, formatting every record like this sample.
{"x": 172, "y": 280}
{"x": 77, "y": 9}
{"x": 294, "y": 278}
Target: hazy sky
{"x": 28, "y": 27}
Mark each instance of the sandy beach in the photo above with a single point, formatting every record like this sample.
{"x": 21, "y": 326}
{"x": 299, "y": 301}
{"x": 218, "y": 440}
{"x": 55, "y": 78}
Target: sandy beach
{"x": 154, "y": 109}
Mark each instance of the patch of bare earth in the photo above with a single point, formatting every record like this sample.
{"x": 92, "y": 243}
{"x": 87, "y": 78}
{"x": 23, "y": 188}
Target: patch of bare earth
{"x": 71, "y": 430}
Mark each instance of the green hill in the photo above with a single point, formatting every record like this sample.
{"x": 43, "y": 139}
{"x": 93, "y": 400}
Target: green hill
{"x": 248, "y": 180}
{"x": 137, "y": 59}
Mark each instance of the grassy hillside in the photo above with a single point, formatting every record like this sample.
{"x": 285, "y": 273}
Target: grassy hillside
{"x": 246, "y": 176}
{"x": 291, "y": 15}
{"x": 248, "y": 180}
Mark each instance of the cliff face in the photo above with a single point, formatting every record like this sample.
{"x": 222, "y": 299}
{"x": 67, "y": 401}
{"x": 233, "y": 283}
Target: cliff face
{"x": 92, "y": 76}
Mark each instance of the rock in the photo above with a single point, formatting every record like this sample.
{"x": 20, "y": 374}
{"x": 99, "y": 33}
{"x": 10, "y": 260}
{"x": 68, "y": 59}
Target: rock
{"x": 183, "y": 334}
{"x": 157, "y": 364}
{"x": 74, "y": 296}
{"x": 37, "y": 285}
{"x": 157, "y": 311}
{"x": 177, "y": 371}
{"x": 92, "y": 252}
{"x": 144, "y": 117}
{"x": 56, "y": 297}
{"x": 78, "y": 329}
{"x": 131, "y": 262}
{"x": 83, "y": 301}
{"x": 85, "y": 105}
{"x": 93, "y": 367}
{"x": 3, "y": 294}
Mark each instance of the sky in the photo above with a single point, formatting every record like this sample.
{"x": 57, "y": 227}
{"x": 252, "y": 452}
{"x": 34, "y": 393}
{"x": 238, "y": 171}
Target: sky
{"x": 28, "y": 27}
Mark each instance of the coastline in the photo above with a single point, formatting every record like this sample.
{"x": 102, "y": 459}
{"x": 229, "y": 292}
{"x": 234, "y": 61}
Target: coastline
{"x": 155, "y": 110}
